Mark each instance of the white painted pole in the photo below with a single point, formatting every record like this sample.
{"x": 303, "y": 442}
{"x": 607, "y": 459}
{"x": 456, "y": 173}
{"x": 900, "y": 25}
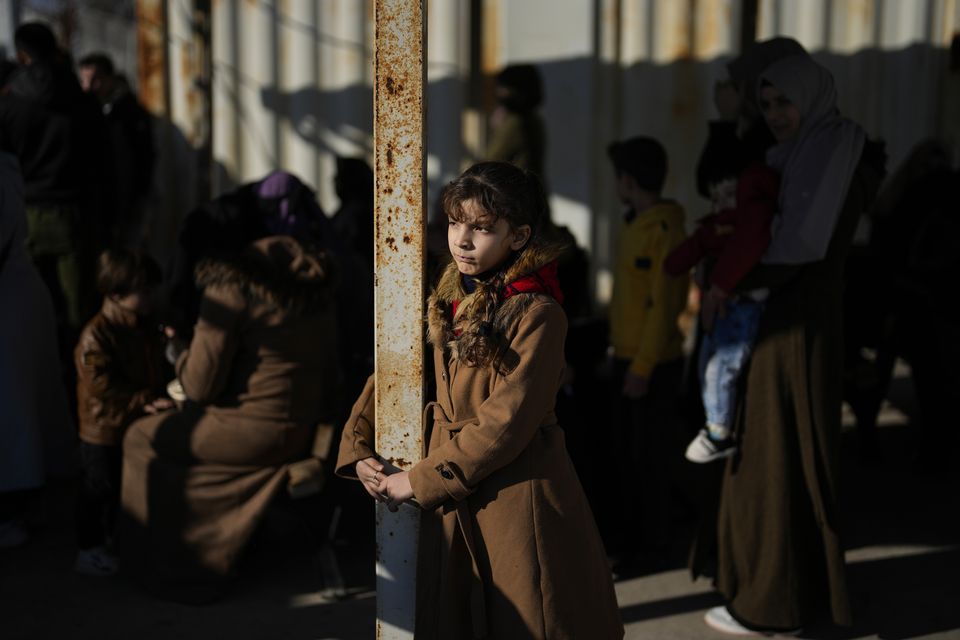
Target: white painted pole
{"x": 399, "y": 165}
{"x": 9, "y": 19}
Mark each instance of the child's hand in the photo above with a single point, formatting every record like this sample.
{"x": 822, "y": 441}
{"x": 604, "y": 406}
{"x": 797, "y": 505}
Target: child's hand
{"x": 158, "y": 405}
{"x": 714, "y": 306}
{"x": 370, "y": 472}
{"x": 397, "y": 489}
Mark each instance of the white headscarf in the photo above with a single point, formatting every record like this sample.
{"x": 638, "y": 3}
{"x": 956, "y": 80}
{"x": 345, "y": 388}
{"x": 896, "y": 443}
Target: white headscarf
{"x": 815, "y": 166}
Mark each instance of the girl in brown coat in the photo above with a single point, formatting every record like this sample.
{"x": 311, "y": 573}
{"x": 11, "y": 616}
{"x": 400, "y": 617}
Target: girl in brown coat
{"x": 508, "y": 548}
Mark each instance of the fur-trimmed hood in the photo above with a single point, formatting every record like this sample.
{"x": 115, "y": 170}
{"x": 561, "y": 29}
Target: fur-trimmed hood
{"x": 477, "y": 333}
{"x": 277, "y": 271}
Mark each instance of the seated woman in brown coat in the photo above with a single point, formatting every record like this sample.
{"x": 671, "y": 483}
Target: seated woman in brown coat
{"x": 257, "y": 376}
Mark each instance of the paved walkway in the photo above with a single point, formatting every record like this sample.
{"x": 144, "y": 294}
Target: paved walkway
{"x": 902, "y": 534}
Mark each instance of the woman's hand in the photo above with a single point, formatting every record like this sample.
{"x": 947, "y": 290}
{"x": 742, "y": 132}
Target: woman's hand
{"x": 370, "y": 472}
{"x": 396, "y": 488}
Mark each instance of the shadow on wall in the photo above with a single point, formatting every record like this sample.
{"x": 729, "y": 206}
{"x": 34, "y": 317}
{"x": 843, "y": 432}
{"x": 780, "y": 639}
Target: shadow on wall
{"x": 174, "y": 191}
{"x": 314, "y": 114}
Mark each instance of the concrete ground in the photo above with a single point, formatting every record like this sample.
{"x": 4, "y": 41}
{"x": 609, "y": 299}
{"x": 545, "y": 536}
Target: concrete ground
{"x": 901, "y": 526}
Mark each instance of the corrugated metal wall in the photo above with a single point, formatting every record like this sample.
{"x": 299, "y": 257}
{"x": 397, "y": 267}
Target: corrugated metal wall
{"x": 651, "y": 65}
{"x": 292, "y": 82}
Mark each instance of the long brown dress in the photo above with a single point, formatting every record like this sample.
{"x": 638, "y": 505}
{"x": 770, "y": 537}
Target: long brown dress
{"x": 780, "y": 559}
{"x": 258, "y": 375}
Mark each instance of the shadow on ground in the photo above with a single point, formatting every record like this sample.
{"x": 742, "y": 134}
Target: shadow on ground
{"x": 901, "y": 529}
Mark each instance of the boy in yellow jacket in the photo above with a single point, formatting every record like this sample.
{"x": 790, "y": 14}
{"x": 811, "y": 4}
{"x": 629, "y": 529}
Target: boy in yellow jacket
{"x": 646, "y": 341}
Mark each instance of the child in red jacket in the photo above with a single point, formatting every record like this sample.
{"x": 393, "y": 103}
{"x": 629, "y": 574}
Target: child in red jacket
{"x": 734, "y": 238}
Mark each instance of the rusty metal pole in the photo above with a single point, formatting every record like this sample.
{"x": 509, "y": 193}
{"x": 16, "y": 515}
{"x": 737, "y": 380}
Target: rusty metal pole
{"x": 399, "y": 249}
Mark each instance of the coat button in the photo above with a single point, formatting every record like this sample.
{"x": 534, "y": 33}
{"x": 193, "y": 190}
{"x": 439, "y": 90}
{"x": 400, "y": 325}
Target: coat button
{"x": 443, "y": 375}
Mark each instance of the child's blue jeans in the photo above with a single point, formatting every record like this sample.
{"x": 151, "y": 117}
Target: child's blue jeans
{"x": 723, "y": 354}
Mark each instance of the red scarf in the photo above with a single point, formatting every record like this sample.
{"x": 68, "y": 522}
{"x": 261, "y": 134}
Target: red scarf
{"x": 543, "y": 280}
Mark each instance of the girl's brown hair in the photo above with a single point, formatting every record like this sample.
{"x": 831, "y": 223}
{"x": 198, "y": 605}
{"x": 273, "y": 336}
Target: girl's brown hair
{"x": 502, "y": 190}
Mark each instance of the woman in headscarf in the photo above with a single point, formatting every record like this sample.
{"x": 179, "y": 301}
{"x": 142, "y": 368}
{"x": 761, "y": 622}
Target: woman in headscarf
{"x": 780, "y": 561}
{"x": 740, "y": 131}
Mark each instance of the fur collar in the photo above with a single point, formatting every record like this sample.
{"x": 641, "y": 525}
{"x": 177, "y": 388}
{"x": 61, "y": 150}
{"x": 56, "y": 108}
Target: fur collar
{"x": 277, "y": 272}
{"x": 477, "y": 335}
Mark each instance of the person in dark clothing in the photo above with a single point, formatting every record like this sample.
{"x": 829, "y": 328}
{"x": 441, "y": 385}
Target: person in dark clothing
{"x": 354, "y": 219}
{"x": 130, "y": 139}
{"x": 926, "y": 325}
{"x": 897, "y": 303}
{"x": 279, "y": 204}
{"x": 54, "y": 130}
{"x": 519, "y": 135}
{"x": 353, "y": 224}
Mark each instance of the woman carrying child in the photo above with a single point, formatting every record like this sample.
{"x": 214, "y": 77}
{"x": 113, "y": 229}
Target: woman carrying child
{"x": 508, "y": 548}
{"x": 780, "y": 561}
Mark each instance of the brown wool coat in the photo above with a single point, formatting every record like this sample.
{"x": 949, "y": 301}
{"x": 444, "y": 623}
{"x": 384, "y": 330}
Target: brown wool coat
{"x": 508, "y": 548}
{"x": 780, "y": 555}
{"x": 259, "y": 374}
{"x": 120, "y": 368}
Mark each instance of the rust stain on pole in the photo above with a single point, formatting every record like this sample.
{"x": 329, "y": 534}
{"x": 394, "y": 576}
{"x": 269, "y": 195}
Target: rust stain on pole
{"x": 151, "y": 56}
{"x": 399, "y": 162}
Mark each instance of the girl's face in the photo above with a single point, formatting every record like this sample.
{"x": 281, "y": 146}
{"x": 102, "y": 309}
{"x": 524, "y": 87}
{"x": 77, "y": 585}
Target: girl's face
{"x": 782, "y": 116}
{"x": 480, "y": 242}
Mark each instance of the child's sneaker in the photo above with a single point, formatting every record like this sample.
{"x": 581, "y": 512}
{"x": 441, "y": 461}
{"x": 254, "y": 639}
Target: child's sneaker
{"x": 12, "y": 534}
{"x": 95, "y": 562}
{"x": 703, "y": 448}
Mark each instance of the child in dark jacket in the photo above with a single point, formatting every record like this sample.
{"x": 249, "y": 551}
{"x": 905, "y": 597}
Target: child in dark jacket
{"x": 733, "y": 238}
{"x": 120, "y": 376}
